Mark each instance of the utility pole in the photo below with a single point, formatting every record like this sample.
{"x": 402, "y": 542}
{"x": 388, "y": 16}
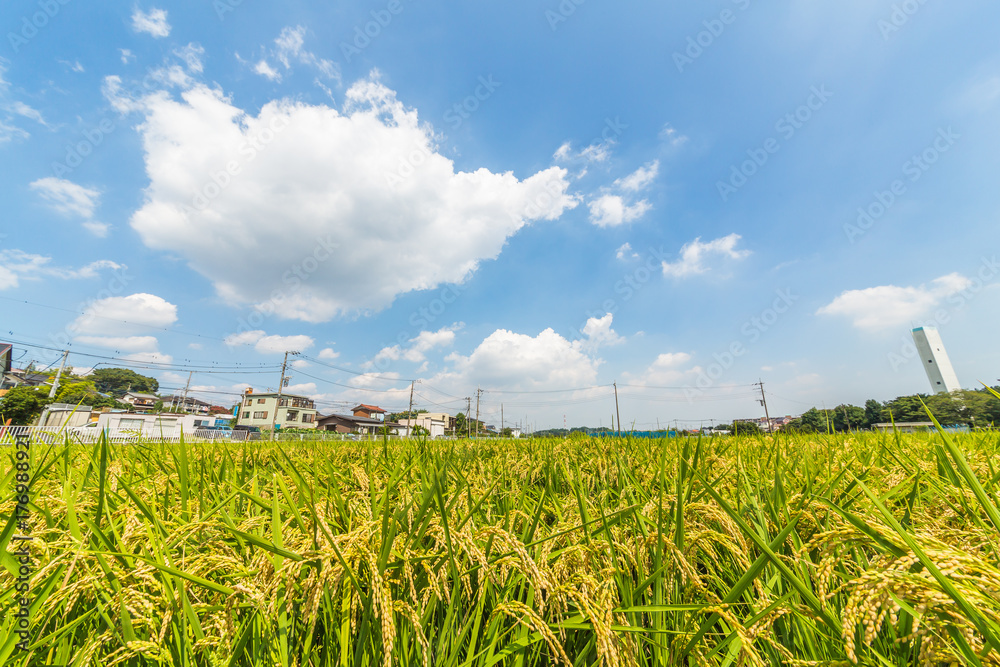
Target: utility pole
{"x": 468, "y": 413}
{"x": 763, "y": 401}
{"x": 478, "y": 393}
{"x": 617, "y": 412}
{"x": 409, "y": 415}
{"x": 281, "y": 386}
{"x": 55, "y": 383}
{"x": 184, "y": 398}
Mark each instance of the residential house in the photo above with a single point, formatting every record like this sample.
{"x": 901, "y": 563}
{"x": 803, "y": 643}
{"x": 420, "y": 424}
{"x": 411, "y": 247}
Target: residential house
{"x": 150, "y": 426}
{"x": 351, "y": 424}
{"x": 449, "y": 421}
{"x": 190, "y": 404}
{"x": 142, "y": 403}
{"x": 435, "y": 427}
{"x": 369, "y": 412}
{"x": 65, "y": 415}
{"x": 292, "y": 411}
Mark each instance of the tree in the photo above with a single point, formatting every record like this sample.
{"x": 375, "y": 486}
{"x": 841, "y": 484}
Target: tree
{"x": 118, "y": 381}
{"x": 461, "y": 424}
{"x": 507, "y": 433}
{"x": 744, "y": 428}
{"x": 847, "y": 418}
{"x": 23, "y": 405}
{"x": 811, "y": 421}
{"x": 873, "y": 413}
{"x": 80, "y": 391}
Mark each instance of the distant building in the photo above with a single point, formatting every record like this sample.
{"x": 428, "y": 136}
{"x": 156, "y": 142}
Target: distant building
{"x": 352, "y": 424}
{"x": 143, "y": 403}
{"x": 448, "y": 420}
{"x": 190, "y": 404}
{"x": 369, "y": 412}
{"x": 293, "y": 411}
{"x": 938, "y": 366}
{"x": 435, "y": 427}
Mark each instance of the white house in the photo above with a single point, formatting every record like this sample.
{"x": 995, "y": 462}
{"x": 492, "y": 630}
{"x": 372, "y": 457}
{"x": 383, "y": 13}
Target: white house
{"x": 435, "y": 427}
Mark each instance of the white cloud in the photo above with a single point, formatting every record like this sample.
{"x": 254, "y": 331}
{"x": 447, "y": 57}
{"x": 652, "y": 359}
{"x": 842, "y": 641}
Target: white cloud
{"x": 265, "y": 344}
{"x": 74, "y": 66}
{"x": 154, "y": 22}
{"x": 124, "y": 344}
{"x": 348, "y": 177}
{"x": 417, "y": 351}
{"x": 670, "y": 135}
{"x": 98, "y": 229}
{"x": 640, "y": 179}
{"x": 625, "y": 252}
{"x": 71, "y": 199}
{"x": 514, "y": 361}
{"x": 266, "y": 70}
{"x": 611, "y": 211}
{"x": 667, "y": 370}
{"x": 191, "y": 55}
{"x": 125, "y": 316}
{"x": 122, "y": 323}
{"x": 17, "y": 264}
{"x": 889, "y": 306}
{"x": 22, "y": 109}
{"x": 67, "y": 197}
{"x": 289, "y": 49}
{"x": 127, "y": 55}
{"x": 693, "y": 255}
{"x": 328, "y": 354}
{"x": 517, "y": 361}
{"x": 599, "y": 332}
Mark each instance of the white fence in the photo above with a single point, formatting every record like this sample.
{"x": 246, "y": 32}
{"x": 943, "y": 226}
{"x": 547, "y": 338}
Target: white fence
{"x": 55, "y": 435}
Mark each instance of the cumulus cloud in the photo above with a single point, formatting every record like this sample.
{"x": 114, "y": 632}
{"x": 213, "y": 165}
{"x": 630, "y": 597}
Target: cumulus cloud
{"x": 16, "y": 265}
{"x": 125, "y": 315}
{"x": 611, "y": 211}
{"x": 694, "y": 255}
{"x": 154, "y": 22}
{"x": 122, "y": 323}
{"x": 367, "y": 187}
{"x": 265, "y": 344}
{"x": 328, "y": 354}
{"x": 517, "y": 361}
{"x": 418, "y": 348}
{"x": 625, "y": 252}
{"x": 71, "y": 199}
{"x": 889, "y": 306}
{"x": 669, "y": 369}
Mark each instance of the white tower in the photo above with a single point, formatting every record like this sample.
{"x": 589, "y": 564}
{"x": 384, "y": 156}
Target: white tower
{"x": 935, "y": 360}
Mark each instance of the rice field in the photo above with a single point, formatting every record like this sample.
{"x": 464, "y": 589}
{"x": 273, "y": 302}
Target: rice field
{"x": 870, "y": 549}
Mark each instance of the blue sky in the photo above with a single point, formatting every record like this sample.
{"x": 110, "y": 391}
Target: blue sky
{"x": 538, "y": 199}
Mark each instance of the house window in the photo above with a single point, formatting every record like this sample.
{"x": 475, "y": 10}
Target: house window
{"x": 246, "y": 415}
{"x": 260, "y": 415}
{"x": 260, "y": 401}
{"x": 249, "y": 401}
{"x": 308, "y": 418}
{"x": 292, "y": 415}
{"x": 136, "y": 424}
